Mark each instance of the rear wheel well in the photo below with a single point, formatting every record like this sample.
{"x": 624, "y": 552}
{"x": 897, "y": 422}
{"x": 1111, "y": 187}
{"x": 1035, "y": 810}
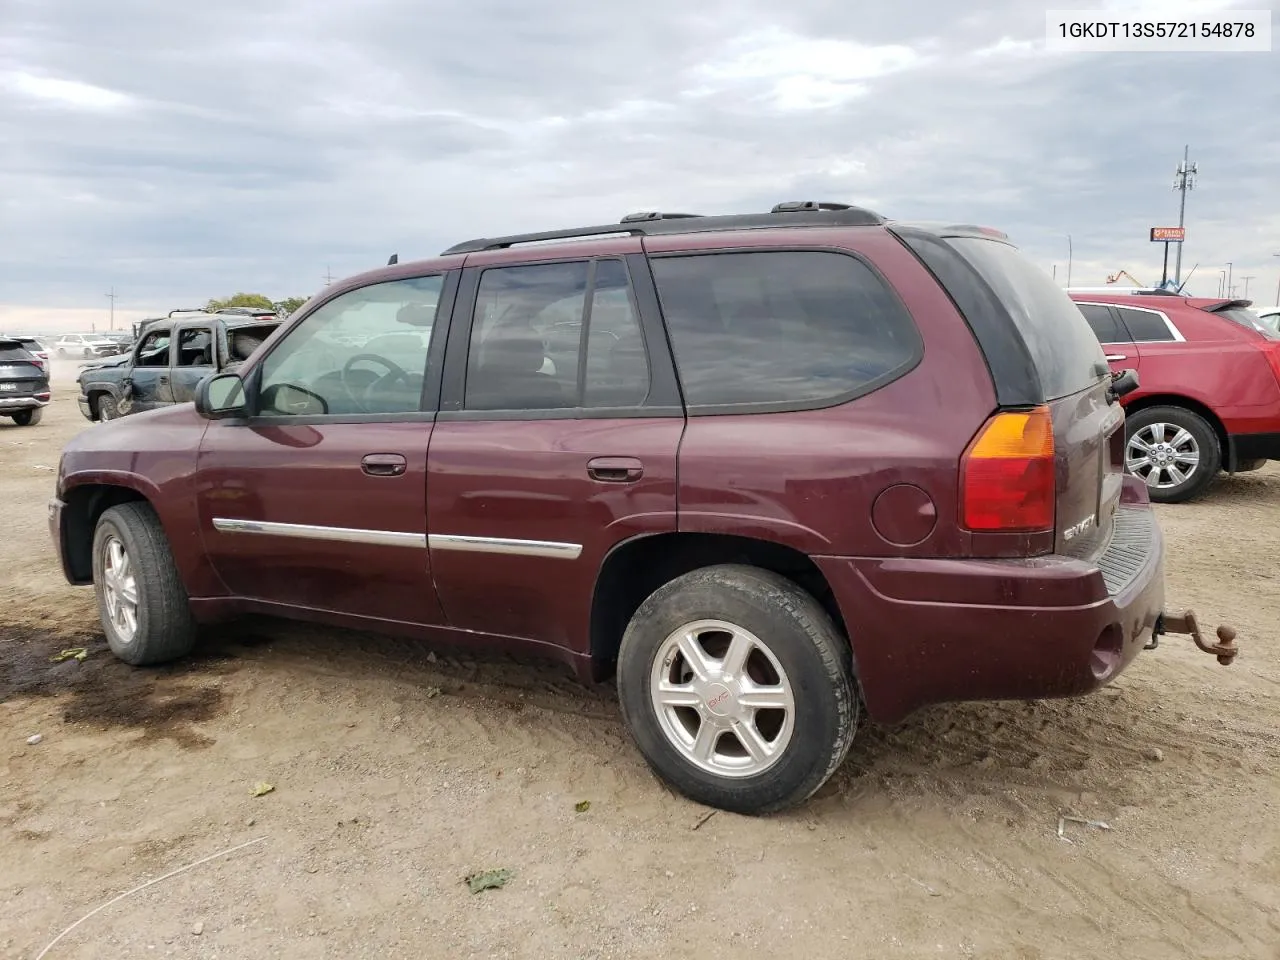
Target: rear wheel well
{"x": 1195, "y": 406}
{"x": 84, "y": 505}
{"x": 636, "y": 568}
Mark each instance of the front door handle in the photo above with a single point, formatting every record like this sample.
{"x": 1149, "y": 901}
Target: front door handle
{"x": 1112, "y": 357}
{"x": 384, "y": 465}
{"x": 615, "y": 469}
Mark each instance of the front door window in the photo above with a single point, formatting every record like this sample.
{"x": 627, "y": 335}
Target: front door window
{"x": 364, "y": 352}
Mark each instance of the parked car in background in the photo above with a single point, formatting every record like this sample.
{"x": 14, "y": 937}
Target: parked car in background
{"x": 1270, "y": 317}
{"x": 1209, "y": 386}
{"x": 34, "y": 346}
{"x": 85, "y": 346}
{"x": 772, "y": 468}
{"x": 24, "y": 383}
{"x": 170, "y": 359}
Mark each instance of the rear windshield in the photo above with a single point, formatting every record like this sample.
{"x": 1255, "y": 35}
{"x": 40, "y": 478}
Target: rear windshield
{"x": 1063, "y": 347}
{"x": 11, "y": 353}
{"x": 1247, "y": 318}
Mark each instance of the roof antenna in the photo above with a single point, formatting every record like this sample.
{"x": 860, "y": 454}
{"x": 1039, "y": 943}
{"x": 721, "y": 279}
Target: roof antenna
{"x": 1188, "y": 280}
{"x": 395, "y": 258}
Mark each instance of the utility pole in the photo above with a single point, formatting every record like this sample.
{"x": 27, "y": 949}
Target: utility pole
{"x": 112, "y": 297}
{"x": 1184, "y": 179}
{"x": 1246, "y": 285}
{"x": 328, "y": 276}
{"x": 1070, "y": 256}
{"x": 1228, "y": 286}
{"x": 1277, "y": 285}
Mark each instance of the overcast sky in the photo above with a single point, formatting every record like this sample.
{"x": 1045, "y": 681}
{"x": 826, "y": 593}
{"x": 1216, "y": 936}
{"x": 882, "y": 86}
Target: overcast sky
{"x": 178, "y": 151}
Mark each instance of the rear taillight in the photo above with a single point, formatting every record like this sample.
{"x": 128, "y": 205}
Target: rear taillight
{"x": 1007, "y": 474}
{"x": 1272, "y": 351}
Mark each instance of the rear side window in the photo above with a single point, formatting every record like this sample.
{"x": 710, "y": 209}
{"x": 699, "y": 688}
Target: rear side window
{"x": 785, "y": 329}
{"x": 1103, "y": 323}
{"x": 1144, "y": 326}
{"x": 1067, "y": 355}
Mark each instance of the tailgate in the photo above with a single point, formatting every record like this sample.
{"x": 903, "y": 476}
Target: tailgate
{"x": 1088, "y": 439}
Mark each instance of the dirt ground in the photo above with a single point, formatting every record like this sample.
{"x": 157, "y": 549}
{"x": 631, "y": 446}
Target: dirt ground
{"x": 397, "y": 772}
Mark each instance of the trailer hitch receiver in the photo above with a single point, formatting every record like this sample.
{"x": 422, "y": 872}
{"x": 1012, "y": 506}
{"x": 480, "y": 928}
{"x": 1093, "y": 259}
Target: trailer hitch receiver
{"x": 1225, "y": 649}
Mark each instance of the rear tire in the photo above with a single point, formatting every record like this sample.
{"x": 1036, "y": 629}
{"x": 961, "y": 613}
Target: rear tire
{"x": 706, "y": 727}
{"x": 1174, "y": 450}
{"x": 28, "y": 418}
{"x": 141, "y": 600}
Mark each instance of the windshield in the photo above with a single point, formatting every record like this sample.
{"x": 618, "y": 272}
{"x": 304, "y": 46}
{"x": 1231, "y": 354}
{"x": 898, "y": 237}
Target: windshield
{"x": 1066, "y": 354}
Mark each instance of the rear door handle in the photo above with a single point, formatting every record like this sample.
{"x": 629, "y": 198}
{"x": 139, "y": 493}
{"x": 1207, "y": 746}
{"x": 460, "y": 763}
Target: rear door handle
{"x": 615, "y": 469}
{"x": 384, "y": 465}
{"x": 1115, "y": 356}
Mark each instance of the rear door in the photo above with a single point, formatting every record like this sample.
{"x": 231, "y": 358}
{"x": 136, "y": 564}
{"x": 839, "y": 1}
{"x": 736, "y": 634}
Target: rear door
{"x": 1074, "y": 376}
{"x": 557, "y": 439}
{"x": 192, "y": 361}
{"x": 1118, "y": 345}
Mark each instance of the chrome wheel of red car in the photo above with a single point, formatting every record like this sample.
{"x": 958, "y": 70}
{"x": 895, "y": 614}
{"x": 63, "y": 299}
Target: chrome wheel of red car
{"x": 1165, "y": 455}
{"x": 1173, "y": 450}
{"x": 722, "y": 698}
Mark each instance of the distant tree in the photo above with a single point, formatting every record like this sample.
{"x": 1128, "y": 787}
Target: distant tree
{"x": 254, "y": 300}
{"x": 289, "y": 305}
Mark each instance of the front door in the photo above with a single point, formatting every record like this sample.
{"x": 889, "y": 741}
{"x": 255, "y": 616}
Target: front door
{"x": 557, "y": 439}
{"x": 318, "y": 500}
{"x": 149, "y": 378}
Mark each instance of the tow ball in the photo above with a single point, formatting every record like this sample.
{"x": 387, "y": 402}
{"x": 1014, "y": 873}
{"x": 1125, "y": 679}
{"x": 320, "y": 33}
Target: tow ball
{"x": 1225, "y": 649}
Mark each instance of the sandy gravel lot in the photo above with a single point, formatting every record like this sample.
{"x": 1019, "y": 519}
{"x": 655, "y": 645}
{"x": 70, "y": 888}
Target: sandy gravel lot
{"x": 397, "y": 772}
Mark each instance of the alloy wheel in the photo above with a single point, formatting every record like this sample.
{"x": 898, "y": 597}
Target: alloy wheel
{"x": 722, "y": 699}
{"x": 119, "y": 589}
{"x": 1164, "y": 455}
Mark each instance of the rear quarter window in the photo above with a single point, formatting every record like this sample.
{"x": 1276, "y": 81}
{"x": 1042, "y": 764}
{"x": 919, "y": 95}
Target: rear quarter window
{"x": 781, "y": 329}
{"x": 1067, "y": 355}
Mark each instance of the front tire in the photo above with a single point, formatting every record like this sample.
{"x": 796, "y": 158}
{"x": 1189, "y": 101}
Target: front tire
{"x": 738, "y": 689}
{"x": 108, "y": 409}
{"x": 141, "y": 600}
{"x": 28, "y": 418}
{"x": 1174, "y": 451}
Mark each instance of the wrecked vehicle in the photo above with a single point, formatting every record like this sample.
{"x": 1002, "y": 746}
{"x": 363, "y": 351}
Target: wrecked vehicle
{"x": 168, "y": 362}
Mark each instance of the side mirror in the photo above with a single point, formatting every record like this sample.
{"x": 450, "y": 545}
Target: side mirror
{"x": 1122, "y": 384}
{"x": 221, "y": 396}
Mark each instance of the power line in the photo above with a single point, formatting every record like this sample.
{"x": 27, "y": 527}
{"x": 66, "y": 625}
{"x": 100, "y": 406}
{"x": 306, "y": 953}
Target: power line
{"x": 1184, "y": 179}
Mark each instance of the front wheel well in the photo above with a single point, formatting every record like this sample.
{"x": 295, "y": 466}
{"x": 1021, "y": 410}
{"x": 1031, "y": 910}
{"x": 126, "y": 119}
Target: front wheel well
{"x": 84, "y": 506}
{"x": 636, "y": 568}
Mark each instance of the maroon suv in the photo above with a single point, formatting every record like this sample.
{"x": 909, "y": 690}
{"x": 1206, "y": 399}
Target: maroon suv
{"x": 771, "y": 469}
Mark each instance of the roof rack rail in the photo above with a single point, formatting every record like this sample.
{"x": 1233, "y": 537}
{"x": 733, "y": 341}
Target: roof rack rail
{"x": 800, "y": 213}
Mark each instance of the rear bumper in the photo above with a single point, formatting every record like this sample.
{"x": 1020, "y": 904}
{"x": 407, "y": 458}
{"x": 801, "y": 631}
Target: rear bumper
{"x": 931, "y": 631}
{"x": 1255, "y": 446}
{"x": 29, "y": 402}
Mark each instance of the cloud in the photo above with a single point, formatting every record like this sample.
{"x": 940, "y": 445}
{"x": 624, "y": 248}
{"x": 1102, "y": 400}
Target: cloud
{"x": 63, "y": 93}
{"x": 181, "y": 151}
